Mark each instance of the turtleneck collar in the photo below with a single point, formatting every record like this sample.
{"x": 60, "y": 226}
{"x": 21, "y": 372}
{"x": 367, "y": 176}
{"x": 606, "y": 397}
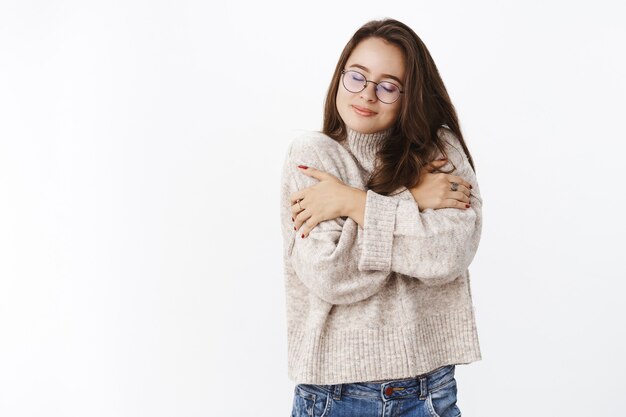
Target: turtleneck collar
{"x": 364, "y": 146}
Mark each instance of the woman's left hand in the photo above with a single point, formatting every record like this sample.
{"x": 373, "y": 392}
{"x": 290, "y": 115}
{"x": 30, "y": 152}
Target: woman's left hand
{"x": 323, "y": 201}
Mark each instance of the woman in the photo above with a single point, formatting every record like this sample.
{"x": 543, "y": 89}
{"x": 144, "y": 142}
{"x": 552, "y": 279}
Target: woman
{"x": 378, "y": 236}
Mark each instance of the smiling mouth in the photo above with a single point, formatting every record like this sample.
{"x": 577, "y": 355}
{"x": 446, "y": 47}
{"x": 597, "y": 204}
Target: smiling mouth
{"x": 363, "y": 112}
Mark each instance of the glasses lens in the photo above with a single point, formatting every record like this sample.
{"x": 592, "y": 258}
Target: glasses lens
{"x": 353, "y": 81}
{"x": 387, "y": 92}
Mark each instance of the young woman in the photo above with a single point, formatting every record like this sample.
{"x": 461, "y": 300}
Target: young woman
{"x": 381, "y": 217}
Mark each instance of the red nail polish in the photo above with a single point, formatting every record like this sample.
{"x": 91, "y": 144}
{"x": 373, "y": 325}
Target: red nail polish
{"x": 470, "y": 186}
{"x": 294, "y": 228}
{"x": 303, "y": 166}
{"x": 292, "y": 219}
{"x": 302, "y": 235}
{"x": 467, "y": 206}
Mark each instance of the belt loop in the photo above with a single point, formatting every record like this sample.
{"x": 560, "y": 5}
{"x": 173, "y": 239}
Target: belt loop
{"x": 423, "y": 388}
{"x": 337, "y": 392}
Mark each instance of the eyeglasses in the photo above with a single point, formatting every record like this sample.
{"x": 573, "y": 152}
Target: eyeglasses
{"x": 355, "y": 82}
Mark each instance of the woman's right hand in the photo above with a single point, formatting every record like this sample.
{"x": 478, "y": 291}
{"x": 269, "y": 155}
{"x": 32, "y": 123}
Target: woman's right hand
{"x": 433, "y": 189}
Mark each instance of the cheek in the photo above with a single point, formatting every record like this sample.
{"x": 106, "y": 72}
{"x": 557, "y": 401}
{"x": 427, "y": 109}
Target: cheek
{"x": 392, "y": 114}
{"x": 341, "y": 97}
{"x": 396, "y": 109}
{"x": 341, "y": 103}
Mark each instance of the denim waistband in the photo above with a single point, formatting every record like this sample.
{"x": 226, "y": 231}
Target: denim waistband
{"x": 419, "y": 385}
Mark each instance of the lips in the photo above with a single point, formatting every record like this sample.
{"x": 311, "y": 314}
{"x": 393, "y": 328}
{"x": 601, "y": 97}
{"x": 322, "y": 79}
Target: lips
{"x": 363, "y": 111}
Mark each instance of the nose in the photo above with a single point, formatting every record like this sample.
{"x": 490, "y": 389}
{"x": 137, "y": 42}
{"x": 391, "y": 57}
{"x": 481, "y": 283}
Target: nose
{"x": 369, "y": 92}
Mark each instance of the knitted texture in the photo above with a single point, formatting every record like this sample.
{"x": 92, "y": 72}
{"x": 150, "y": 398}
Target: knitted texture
{"x": 388, "y": 300}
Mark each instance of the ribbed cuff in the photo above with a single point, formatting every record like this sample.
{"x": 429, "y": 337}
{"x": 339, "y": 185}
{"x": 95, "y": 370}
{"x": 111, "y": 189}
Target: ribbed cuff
{"x": 379, "y": 223}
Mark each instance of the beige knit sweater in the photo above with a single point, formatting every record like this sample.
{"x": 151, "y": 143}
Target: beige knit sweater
{"x": 390, "y": 300}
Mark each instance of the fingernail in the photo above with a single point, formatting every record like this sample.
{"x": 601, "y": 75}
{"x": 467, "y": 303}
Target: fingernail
{"x": 292, "y": 219}
{"x": 302, "y": 235}
{"x": 467, "y": 206}
{"x": 303, "y": 166}
{"x": 294, "y": 228}
{"x": 470, "y": 186}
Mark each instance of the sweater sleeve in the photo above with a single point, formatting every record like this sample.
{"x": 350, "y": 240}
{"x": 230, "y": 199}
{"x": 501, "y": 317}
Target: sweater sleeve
{"x": 434, "y": 246}
{"x": 326, "y": 261}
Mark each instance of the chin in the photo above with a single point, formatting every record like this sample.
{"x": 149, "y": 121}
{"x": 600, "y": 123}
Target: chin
{"x": 363, "y": 127}
{"x": 354, "y": 123}
{"x": 359, "y": 124}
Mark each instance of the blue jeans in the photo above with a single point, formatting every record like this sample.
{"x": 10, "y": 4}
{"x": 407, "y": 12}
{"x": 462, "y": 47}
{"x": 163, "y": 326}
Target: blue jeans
{"x": 428, "y": 395}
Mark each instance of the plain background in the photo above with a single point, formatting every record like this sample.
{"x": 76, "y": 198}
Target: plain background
{"x": 140, "y": 152}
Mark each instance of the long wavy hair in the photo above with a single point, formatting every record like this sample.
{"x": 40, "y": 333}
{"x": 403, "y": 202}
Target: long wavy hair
{"x": 425, "y": 108}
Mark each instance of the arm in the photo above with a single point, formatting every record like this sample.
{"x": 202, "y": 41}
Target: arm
{"x": 434, "y": 246}
{"x": 356, "y": 206}
{"x": 326, "y": 260}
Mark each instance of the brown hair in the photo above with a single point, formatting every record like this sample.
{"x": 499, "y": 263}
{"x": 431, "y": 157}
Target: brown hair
{"x": 425, "y": 107}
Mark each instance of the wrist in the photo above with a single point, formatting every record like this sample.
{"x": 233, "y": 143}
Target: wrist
{"x": 355, "y": 202}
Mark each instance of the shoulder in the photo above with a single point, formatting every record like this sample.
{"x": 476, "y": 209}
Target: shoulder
{"x": 318, "y": 150}
{"x": 311, "y": 140}
{"x": 451, "y": 141}
{"x": 452, "y": 144}
{"x": 313, "y": 147}
{"x": 455, "y": 152}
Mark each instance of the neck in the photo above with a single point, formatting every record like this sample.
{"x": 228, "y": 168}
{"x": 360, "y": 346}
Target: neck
{"x": 364, "y": 146}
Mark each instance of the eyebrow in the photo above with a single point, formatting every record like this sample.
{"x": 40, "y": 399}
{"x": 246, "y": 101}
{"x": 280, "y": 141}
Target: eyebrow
{"x": 393, "y": 77}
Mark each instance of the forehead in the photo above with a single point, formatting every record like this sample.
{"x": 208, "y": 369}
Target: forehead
{"x": 379, "y": 57}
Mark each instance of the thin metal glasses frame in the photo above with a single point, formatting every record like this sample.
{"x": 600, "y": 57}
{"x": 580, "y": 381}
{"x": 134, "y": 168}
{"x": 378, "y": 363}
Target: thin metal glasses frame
{"x": 343, "y": 74}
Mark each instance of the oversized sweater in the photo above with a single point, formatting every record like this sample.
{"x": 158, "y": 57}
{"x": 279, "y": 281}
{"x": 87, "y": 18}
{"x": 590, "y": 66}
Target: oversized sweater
{"x": 388, "y": 300}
